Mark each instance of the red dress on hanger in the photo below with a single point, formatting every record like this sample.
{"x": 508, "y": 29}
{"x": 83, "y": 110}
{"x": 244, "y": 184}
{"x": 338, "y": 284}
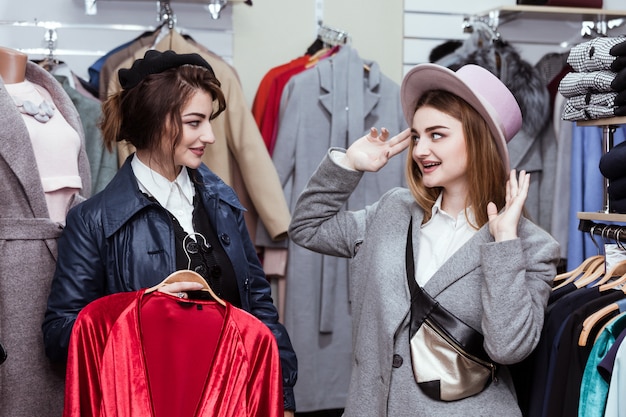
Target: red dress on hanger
{"x": 138, "y": 354}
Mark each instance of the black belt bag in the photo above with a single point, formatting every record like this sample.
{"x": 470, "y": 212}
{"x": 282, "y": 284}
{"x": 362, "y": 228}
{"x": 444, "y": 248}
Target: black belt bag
{"x": 448, "y": 359}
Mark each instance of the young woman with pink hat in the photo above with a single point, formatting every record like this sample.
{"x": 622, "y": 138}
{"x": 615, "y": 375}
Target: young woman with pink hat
{"x": 474, "y": 251}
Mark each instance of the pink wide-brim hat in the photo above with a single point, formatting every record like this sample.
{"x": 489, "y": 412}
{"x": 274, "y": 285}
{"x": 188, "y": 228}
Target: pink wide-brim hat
{"x": 478, "y": 87}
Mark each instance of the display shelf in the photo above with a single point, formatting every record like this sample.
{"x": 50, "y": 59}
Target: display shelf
{"x": 609, "y": 121}
{"x": 602, "y": 19}
{"x": 601, "y": 216}
{"x": 538, "y": 12}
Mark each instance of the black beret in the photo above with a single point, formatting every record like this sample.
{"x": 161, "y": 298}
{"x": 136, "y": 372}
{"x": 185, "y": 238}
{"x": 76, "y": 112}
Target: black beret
{"x": 155, "y": 62}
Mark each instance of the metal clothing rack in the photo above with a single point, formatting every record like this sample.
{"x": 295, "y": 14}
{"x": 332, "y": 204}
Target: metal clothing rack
{"x": 51, "y": 32}
{"x": 613, "y": 232}
{"x": 608, "y": 125}
{"x": 588, "y": 220}
{"x": 214, "y": 7}
{"x": 594, "y": 22}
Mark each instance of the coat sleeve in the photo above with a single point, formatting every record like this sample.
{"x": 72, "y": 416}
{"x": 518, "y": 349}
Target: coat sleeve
{"x": 318, "y": 222}
{"x": 78, "y": 280}
{"x": 517, "y": 284}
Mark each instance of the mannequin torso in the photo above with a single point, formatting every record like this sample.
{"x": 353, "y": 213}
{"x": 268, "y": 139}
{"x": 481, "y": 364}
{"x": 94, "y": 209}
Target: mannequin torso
{"x": 12, "y": 65}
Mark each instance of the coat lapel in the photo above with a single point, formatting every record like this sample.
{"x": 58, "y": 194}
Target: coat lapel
{"x": 462, "y": 262}
{"x": 17, "y": 152}
{"x": 371, "y": 96}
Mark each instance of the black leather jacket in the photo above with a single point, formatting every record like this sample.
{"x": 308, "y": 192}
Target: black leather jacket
{"x": 119, "y": 240}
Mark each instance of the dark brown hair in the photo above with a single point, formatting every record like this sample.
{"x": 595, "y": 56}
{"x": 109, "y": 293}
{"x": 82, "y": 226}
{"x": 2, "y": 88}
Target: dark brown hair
{"x": 486, "y": 172}
{"x": 151, "y": 111}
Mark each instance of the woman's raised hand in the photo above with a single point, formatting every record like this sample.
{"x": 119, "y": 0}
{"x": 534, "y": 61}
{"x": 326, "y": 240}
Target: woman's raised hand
{"x": 372, "y": 151}
{"x": 503, "y": 225}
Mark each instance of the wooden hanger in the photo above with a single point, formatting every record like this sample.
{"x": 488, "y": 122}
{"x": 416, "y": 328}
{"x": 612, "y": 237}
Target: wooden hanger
{"x": 617, "y": 270}
{"x": 615, "y": 284}
{"x": 187, "y": 275}
{"x": 601, "y": 277}
{"x": 579, "y": 269}
{"x": 593, "y": 319}
{"x": 595, "y": 268}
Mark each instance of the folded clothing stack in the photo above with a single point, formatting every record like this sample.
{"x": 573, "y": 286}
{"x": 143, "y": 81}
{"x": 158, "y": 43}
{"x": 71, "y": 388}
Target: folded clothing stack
{"x": 597, "y": 87}
{"x": 612, "y": 166}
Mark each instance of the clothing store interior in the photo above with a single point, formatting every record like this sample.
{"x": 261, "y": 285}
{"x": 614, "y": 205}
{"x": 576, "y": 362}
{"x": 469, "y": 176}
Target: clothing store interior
{"x": 563, "y": 60}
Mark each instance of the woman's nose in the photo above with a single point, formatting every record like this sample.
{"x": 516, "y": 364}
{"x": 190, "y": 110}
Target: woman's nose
{"x": 207, "y": 135}
{"x": 421, "y": 148}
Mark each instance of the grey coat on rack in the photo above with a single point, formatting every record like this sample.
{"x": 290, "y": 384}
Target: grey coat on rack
{"x": 30, "y": 385}
{"x": 328, "y": 105}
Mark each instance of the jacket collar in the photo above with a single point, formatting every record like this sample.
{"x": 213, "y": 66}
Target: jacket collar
{"x": 461, "y": 263}
{"x": 345, "y": 84}
{"x": 122, "y": 199}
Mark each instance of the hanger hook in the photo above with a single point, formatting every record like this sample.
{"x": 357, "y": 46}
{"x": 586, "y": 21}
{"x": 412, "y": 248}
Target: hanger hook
{"x": 593, "y": 239}
{"x": 618, "y": 240}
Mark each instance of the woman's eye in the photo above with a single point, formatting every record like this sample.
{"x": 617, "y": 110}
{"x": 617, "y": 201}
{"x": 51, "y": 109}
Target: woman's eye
{"x": 194, "y": 123}
{"x": 415, "y": 138}
{"x": 436, "y": 135}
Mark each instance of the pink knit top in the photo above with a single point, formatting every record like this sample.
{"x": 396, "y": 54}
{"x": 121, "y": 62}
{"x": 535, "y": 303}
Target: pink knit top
{"x": 56, "y": 146}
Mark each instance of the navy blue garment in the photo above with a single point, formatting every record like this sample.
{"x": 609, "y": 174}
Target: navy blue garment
{"x": 122, "y": 220}
{"x": 94, "y": 69}
{"x": 613, "y": 162}
{"x": 605, "y": 367}
{"x": 567, "y": 363}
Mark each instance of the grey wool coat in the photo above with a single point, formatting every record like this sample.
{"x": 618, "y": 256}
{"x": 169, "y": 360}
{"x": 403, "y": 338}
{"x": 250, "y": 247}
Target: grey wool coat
{"x": 29, "y": 384}
{"x": 331, "y": 104}
{"x": 499, "y": 288}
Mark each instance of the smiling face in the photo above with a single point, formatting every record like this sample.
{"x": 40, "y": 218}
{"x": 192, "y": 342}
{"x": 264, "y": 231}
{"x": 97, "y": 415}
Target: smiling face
{"x": 454, "y": 153}
{"x": 196, "y": 131}
{"x": 440, "y": 150}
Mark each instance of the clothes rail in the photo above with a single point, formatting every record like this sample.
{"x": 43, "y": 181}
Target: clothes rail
{"x": 213, "y": 6}
{"x": 97, "y": 26}
{"x": 607, "y": 231}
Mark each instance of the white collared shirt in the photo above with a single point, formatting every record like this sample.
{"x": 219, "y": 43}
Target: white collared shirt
{"x": 175, "y": 196}
{"x": 440, "y": 238}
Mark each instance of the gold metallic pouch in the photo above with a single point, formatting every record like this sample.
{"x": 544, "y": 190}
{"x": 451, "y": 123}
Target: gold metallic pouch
{"x": 442, "y": 369}
{"x": 447, "y": 356}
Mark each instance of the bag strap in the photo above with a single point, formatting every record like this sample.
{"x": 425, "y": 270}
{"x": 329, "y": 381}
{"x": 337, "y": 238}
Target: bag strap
{"x": 410, "y": 263}
{"x": 415, "y": 289}
{"x": 423, "y": 305}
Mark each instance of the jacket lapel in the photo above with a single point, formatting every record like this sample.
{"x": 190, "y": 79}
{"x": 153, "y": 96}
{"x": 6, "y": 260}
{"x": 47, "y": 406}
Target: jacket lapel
{"x": 17, "y": 151}
{"x": 371, "y": 96}
{"x": 461, "y": 263}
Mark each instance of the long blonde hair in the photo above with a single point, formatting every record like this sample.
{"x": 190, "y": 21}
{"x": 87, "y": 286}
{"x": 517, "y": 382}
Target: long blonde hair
{"x": 486, "y": 172}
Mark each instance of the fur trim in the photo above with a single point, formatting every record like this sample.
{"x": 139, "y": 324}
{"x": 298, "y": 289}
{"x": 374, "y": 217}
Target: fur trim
{"x": 503, "y": 60}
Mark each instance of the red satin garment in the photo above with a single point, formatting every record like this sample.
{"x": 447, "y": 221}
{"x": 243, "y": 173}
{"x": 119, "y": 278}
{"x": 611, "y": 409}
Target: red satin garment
{"x": 153, "y": 355}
